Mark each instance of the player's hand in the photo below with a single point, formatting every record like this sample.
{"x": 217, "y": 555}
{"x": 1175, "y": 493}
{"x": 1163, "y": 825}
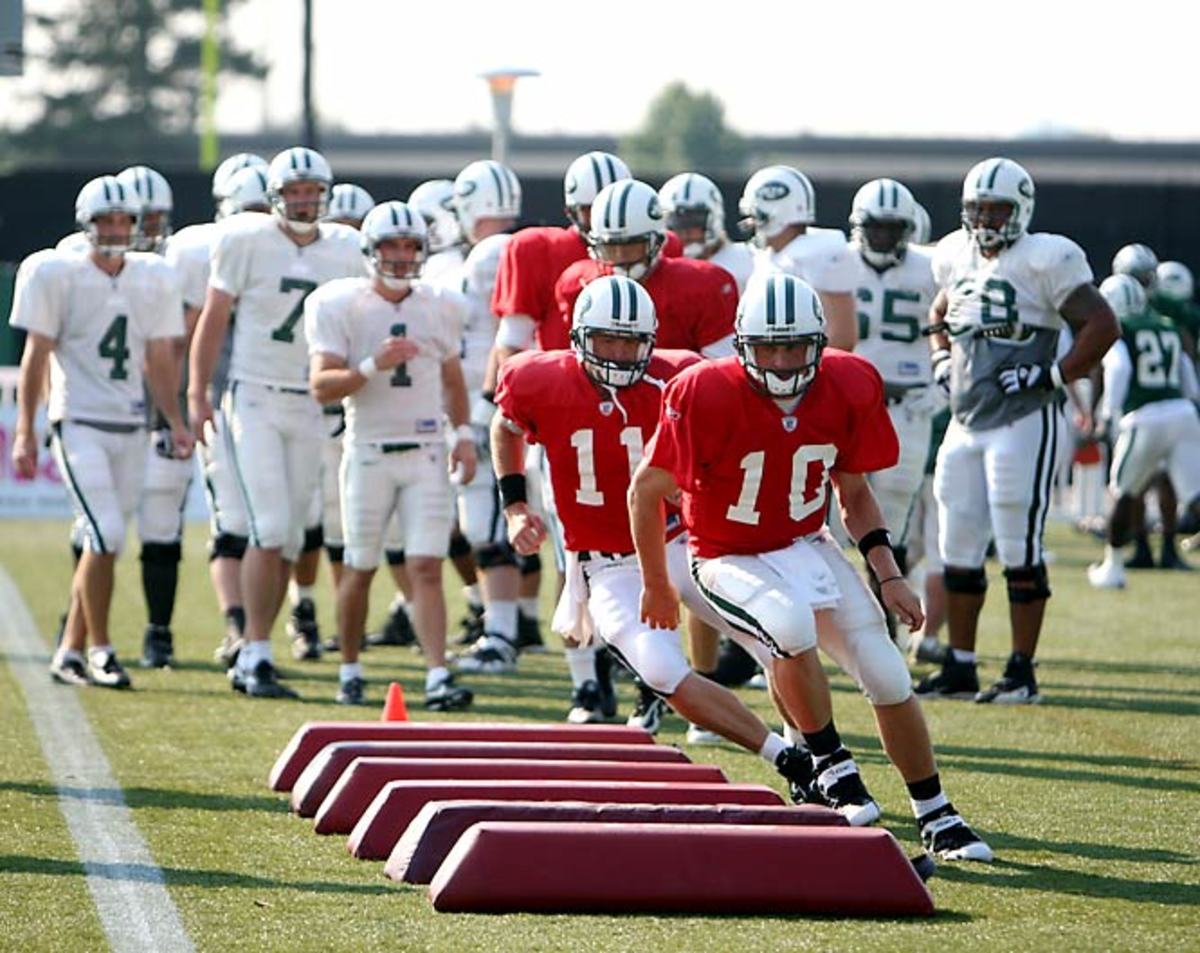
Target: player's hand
{"x": 899, "y": 598}
{"x": 463, "y": 462}
{"x": 940, "y": 361}
{"x": 660, "y": 606}
{"x": 1025, "y": 377}
{"x": 200, "y": 412}
{"x": 395, "y": 351}
{"x": 526, "y": 531}
{"x": 25, "y": 455}
{"x": 182, "y": 442}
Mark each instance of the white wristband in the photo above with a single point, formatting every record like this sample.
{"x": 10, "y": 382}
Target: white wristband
{"x": 367, "y": 367}
{"x": 464, "y": 432}
{"x": 1056, "y": 376}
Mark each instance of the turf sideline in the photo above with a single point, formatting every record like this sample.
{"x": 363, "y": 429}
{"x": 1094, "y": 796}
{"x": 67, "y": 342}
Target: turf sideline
{"x": 128, "y": 888}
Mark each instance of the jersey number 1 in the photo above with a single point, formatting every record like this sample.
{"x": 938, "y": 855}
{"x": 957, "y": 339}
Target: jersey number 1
{"x": 810, "y": 467}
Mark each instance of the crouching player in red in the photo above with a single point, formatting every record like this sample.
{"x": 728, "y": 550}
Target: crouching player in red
{"x": 753, "y": 442}
{"x": 592, "y": 408}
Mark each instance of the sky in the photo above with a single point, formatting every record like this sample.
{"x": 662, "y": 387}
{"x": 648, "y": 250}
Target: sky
{"x": 919, "y": 68}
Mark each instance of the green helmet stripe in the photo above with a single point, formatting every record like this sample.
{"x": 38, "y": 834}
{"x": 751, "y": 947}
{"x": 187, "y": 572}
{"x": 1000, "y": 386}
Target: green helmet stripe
{"x": 633, "y": 303}
{"x": 789, "y": 302}
{"x": 621, "y": 209}
{"x": 771, "y": 301}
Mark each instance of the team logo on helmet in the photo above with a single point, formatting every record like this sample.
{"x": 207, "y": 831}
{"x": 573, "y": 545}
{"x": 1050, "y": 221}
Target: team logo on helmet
{"x": 654, "y": 209}
{"x": 585, "y": 301}
{"x": 1025, "y": 187}
{"x": 772, "y": 191}
{"x": 572, "y": 184}
{"x": 466, "y": 188}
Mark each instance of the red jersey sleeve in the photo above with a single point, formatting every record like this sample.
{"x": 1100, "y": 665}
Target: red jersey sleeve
{"x": 716, "y": 306}
{"x": 870, "y": 441}
{"x": 567, "y": 289}
{"x": 518, "y": 391}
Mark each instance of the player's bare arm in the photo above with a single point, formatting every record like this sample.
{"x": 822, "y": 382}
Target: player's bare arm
{"x": 526, "y": 531}
{"x": 162, "y": 380}
{"x": 648, "y": 490}
{"x": 462, "y": 459}
{"x": 841, "y": 324}
{"x": 1095, "y": 327}
{"x": 211, "y": 328}
{"x": 861, "y": 515}
{"x": 30, "y": 388}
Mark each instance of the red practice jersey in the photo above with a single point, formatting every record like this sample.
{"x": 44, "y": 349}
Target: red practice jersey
{"x": 593, "y": 439}
{"x": 754, "y": 477}
{"x": 531, "y": 264}
{"x": 696, "y": 301}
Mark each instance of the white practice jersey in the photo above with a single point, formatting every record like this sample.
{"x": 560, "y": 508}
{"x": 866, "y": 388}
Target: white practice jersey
{"x": 478, "y": 280}
{"x": 821, "y": 256}
{"x": 348, "y": 319}
{"x": 737, "y": 258}
{"x": 1002, "y": 311}
{"x": 76, "y": 243}
{"x": 100, "y": 325}
{"x": 189, "y": 252}
{"x": 445, "y": 265}
{"x": 892, "y": 306}
{"x": 270, "y": 276}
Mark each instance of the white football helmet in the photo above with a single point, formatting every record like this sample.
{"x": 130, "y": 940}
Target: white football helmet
{"x": 689, "y": 201}
{"x": 485, "y": 189}
{"x": 102, "y": 196}
{"x": 585, "y": 177}
{"x": 154, "y": 192}
{"x": 623, "y": 214}
{"x": 613, "y": 306}
{"x": 225, "y": 172}
{"x": 435, "y": 201}
{"x": 780, "y": 309}
{"x": 890, "y": 207}
{"x": 394, "y": 220}
{"x": 923, "y": 232}
{"x": 773, "y": 199}
{"x": 246, "y": 191}
{"x": 1139, "y": 261}
{"x": 349, "y": 204}
{"x": 1125, "y": 295}
{"x": 1175, "y": 281}
{"x": 997, "y": 180}
{"x": 299, "y": 164}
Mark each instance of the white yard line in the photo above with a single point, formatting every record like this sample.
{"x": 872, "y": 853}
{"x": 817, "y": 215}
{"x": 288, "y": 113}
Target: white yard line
{"x": 127, "y": 887}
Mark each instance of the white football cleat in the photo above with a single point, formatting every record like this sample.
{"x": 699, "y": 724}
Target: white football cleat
{"x": 1109, "y": 574}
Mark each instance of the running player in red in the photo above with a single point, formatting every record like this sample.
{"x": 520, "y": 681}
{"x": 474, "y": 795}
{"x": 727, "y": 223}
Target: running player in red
{"x": 753, "y": 442}
{"x": 592, "y": 408}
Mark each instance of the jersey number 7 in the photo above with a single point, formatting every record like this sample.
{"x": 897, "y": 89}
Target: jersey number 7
{"x": 286, "y": 332}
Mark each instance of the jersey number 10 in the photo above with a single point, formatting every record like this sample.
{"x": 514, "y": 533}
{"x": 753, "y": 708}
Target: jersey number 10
{"x": 810, "y": 468}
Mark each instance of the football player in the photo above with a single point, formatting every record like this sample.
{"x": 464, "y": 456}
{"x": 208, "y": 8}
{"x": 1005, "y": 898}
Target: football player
{"x": 189, "y": 252}
{"x": 1149, "y": 386}
{"x": 267, "y": 265}
{"x": 435, "y": 201}
{"x": 1005, "y": 293}
{"x": 389, "y": 347}
{"x": 694, "y": 210}
{"x": 95, "y": 318}
{"x": 753, "y": 443}
{"x": 593, "y": 408}
{"x": 894, "y": 287}
{"x": 349, "y": 204}
{"x": 1174, "y": 291}
{"x": 780, "y": 207}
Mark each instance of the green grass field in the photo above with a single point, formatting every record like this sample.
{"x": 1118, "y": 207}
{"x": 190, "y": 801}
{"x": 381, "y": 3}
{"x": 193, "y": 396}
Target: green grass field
{"x": 1090, "y": 799}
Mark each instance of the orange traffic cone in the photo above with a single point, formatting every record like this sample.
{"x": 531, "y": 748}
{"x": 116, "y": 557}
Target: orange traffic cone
{"x": 394, "y": 708}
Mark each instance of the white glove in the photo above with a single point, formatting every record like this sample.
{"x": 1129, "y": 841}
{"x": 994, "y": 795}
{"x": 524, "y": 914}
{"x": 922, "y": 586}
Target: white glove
{"x": 941, "y": 370}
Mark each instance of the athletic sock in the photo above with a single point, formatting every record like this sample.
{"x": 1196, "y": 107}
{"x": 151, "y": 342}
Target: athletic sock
{"x": 500, "y": 618}
{"x": 474, "y": 596}
{"x": 963, "y": 657}
{"x": 435, "y": 676}
{"x": 160, "y": 580}
{"x": 298, "y": 593}
{"x": 349, "y": 670}
{"x": 529, "y": 607}
{"x": 926, "y": 795}
{"x": 235, "y": 616}
{"x": 824, "y": 742}
{"x": 582, "y": 664}
{"x": 772, "y": 747}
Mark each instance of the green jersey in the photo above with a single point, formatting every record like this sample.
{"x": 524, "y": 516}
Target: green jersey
{"x": 1185, "y": 314}
{"x": 1156, "y": 353}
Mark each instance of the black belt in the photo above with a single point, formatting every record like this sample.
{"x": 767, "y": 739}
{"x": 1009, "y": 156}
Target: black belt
{"x": 586, "y": 555}
{"x": 895, "y": 393}
{"x": 398, "y": 447}
{"x": 333, "y": 410}
{"x": 105, "y": 425}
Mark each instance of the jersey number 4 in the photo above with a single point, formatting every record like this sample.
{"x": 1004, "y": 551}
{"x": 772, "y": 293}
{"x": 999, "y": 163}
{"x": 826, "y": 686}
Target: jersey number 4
{"x": 585, "y": 455}
{"x": 810, "y": 468}
{"x": 114, "y": 347}
{"x": 286, "y": 332}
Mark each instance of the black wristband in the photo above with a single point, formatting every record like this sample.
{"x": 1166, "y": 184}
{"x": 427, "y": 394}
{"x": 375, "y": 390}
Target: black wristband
{"x": 512, "y": 489}
{"x": 876, "y": 537}
{"x": 489, "y": 396}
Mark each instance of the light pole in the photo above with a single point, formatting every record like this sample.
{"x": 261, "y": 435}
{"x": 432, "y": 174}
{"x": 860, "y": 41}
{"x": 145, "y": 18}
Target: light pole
{"x": 501, "y": 83}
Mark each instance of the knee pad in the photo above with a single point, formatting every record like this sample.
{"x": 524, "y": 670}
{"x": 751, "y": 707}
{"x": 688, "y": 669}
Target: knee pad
{"x": 1027, "y": 584}
{"x": 314, "y": 538}
{"x": 529, "y": 565}
{"x": 336, "y": 554}
{"x": 459, "y": 546}
{"x": 163, "y": 554}
{"x": 879, "y": 668}
{"x": 394, "y": 557}
{"x": 227, "y": 546}
{"x": 967, "y": 582}
{"x": 494, "y": 555}
{"x": 657, "y": 661}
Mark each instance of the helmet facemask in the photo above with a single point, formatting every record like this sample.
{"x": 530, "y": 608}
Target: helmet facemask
{"x": 694, "y": 222}
{"x": 395, "y": 270}
{"x": 993, "y": 223}
{"x": 311, "y": 209}
{"x": 882, "y": 242}
{"x": 781, "y": 380}
{"x": 154, "y": 228}
{"x": 615, "y": 256}
{"x": 611, "y": 371}
{"x": 104, "y": 245}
